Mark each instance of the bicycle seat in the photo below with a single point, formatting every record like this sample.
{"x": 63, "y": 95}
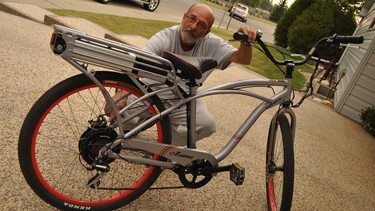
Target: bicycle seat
{"x": 190, "y": 67}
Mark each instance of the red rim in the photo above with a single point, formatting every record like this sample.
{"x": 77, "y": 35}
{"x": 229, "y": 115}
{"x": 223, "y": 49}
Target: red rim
{"x": 271, "y": 191}
{"x": 68, "y": 199}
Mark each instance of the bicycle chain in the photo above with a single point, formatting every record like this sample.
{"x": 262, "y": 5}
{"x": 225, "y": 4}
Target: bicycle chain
{"x": 150, "y": 188}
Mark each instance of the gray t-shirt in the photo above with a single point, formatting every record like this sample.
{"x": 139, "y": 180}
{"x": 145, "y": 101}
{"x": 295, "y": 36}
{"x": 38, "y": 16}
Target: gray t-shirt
{"x": 208, "y": 46}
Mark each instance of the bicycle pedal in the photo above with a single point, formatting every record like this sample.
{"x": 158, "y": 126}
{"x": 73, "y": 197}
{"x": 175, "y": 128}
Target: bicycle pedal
{"x": 237, "y": 174}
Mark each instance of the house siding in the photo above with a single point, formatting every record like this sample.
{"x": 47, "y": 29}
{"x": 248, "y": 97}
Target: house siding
{"x": 356, "y": 90}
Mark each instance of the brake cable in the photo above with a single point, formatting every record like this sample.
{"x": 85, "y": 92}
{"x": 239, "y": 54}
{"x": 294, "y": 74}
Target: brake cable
{"x": 269, "y": 46}
{"x": 309, "y": 88}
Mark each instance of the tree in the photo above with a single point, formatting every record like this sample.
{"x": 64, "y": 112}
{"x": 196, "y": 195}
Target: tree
{"x": 321, "y": 19}
{"x": 351, "y": 6}
{"x": 282, "y": 27}
{"x": 266, "y": 5}
{"x": 278, "y": 11}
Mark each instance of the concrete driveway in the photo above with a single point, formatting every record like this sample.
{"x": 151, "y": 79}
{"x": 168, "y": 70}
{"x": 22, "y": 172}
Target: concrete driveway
{"x": 334, "y": 155}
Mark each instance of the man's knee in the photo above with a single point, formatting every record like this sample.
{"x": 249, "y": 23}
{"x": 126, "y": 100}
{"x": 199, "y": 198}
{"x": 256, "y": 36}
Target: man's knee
{"x": 206, "y": 127}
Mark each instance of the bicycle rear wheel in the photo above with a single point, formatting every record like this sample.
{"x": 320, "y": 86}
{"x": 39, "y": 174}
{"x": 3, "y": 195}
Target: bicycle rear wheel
{"x": 280, "y": 165}
{"x": 58, "y": 141}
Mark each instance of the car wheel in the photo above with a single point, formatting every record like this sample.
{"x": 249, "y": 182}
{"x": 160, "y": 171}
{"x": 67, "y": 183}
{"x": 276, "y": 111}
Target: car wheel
{"x": 151, "y": 5}
{"x": 104, "y": 1}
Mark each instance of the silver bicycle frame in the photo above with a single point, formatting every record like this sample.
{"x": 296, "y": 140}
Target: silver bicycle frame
{"x": 88, "y": 49}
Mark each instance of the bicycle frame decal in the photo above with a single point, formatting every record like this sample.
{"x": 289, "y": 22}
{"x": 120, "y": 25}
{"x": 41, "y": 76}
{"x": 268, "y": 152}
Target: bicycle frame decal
{"x": 179, "y": 154}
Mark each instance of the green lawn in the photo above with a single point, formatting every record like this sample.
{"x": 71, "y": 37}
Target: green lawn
{"x": 147, "y": 28}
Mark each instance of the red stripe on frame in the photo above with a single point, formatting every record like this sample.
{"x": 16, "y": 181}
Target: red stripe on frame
{"x": 237, "y": 137}
{"x": 166, "y": 149}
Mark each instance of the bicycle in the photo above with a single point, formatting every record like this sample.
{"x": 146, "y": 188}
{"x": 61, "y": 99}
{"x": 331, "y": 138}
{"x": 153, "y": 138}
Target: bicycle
{"x": 74, "y": 158}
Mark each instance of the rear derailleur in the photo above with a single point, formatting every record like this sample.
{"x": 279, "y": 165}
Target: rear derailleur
{"x": 97, "y": 136}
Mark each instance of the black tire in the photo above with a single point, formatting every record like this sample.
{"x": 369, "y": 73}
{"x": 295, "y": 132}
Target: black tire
{"x": 280, "y": 165}
{"x": 51, "y": 136}
{"x": 104, "y": 1}
{"x": 151, "y": 5}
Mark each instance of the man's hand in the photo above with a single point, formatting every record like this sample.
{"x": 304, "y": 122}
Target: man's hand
{"x": 119, "y": 105}
{"x": 244, "y": 53}
{"x": 250, "y": 32}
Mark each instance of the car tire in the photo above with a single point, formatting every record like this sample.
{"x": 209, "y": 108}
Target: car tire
{"x": 104, "y": 1}
{"x": 151, "y": 5}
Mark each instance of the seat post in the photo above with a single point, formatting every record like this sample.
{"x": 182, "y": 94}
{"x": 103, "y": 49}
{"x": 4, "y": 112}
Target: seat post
{"x": 191, "y": 108}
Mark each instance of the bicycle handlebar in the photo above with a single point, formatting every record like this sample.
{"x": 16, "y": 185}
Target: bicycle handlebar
{"x": 336, "y": 39}
{"x": 347, "y": 39}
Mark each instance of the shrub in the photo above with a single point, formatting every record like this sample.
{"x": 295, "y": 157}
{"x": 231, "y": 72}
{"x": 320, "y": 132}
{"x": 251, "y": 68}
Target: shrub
{"x": 282, "y": 27}
{"x": 368, "y": 119}
{"x": 314, "y": 23}
{"x": 321, "y": 19}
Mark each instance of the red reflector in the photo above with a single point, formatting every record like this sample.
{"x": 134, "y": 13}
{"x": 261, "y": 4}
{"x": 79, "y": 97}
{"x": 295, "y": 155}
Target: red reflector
{"x": 52, "y": 41}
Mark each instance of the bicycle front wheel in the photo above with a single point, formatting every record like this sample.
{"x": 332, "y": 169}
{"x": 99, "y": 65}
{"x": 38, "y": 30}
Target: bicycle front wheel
{"x": 280, "y": 165}
{"x": 61, "y": 137}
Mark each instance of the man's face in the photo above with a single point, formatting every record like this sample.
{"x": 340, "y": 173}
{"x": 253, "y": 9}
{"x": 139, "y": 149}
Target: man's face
{"x": 195, "y": 24}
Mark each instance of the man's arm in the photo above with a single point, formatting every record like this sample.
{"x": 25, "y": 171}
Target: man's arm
{"x": 243, "y": 55}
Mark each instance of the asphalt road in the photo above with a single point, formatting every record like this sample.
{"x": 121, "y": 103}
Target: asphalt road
{"x": 168, "y": 10}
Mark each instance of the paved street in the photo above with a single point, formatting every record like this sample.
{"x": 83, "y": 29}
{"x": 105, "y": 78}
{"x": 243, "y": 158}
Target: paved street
{"x": 168, "y": 10}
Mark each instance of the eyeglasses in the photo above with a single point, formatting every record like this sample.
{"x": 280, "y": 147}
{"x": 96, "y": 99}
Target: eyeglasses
{"x": 192, "y": 19}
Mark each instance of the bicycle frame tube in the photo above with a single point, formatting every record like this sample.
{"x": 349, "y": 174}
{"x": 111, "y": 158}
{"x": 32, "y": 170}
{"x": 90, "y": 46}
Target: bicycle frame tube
{"x": 242, "y": 131}
{"x": 237, "y": 88}
{"x": 228, "y": 88}
{"x": 276, "y": 99}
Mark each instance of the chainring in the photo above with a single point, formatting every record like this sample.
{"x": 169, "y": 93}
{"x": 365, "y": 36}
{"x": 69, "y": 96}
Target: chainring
{"x": 190, "y": 175}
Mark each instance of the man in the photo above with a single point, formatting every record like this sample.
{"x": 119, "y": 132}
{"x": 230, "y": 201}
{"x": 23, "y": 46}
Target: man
{"x": 193, "y": 38}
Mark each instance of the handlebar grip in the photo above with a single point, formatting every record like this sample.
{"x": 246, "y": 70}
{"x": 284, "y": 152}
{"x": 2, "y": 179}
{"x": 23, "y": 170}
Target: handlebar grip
{"x": 348, "y": 39}
{"x": 240, "y": 36}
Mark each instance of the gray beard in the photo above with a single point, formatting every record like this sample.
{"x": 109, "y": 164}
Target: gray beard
{"x": 188, "y": 37}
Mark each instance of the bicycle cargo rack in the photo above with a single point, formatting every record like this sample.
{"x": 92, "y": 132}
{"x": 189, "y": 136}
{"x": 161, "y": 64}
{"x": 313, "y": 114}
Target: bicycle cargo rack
{"x": 72, "y": 44}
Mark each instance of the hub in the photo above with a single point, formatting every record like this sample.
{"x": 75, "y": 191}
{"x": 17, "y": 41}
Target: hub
{"x": 95, "y": 138}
